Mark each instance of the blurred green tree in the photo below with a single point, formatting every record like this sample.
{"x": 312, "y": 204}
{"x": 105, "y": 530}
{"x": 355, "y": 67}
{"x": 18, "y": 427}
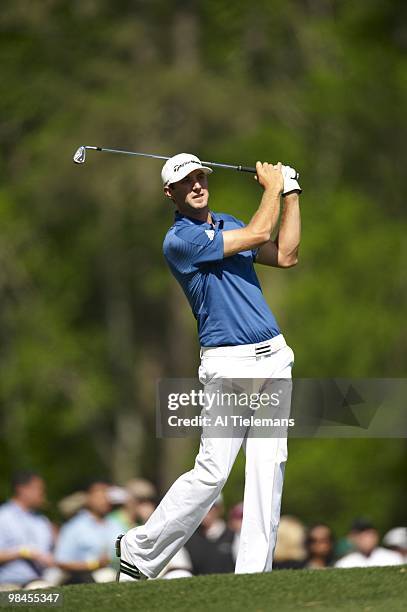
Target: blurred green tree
{"x": 90, "y": 316}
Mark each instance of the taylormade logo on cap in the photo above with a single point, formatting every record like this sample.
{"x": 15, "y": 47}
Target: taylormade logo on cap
{"x": 178, "y": 167}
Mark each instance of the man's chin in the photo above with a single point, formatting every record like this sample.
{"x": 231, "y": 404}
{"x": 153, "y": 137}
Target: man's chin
{"x": 198, "y": 204}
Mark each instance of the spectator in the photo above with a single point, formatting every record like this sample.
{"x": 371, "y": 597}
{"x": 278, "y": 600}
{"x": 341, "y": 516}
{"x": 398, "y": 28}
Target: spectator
{"x": 396, "y": 540}
{"x": 144, "y": 492}
{"x": 210, "y": 547}
{"x": 138, "y": 503}
{"x": 26, "y": 536}
{"x": 320, "y": 547}
{"x": 365, "y": 538}
{"x": 290, "y": 547}
{"x": 86, "y": 541}
{"x": 121, "y": 516}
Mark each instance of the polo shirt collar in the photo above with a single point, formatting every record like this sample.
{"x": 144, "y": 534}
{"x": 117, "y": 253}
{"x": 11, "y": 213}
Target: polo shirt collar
{"x": 180, "y": 217}
{"x": 85, "y": 514}
{"x": 17, "y": 508}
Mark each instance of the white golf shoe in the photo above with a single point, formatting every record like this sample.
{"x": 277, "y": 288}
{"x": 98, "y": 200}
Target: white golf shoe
{"x": 127, "y": 571}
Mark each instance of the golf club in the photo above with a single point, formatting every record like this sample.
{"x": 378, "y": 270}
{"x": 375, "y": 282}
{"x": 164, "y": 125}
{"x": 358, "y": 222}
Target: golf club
{"x": 80, "y": 158}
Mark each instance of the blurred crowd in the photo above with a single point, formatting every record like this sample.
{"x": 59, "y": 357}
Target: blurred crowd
{"x": 35, "y": 552}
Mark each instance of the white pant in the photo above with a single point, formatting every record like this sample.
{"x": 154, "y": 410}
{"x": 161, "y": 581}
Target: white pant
{"x": 181, "y": 511}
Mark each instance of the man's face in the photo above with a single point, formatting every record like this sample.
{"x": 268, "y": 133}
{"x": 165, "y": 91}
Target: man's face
{"x": 366, "y": 541}
{"x": 190, "y": 193}
{"x": 97, "y": 499}
{"x": 145, "y": 508}
{"x": 32, "y": 493}
{"x": 320, "y": 541}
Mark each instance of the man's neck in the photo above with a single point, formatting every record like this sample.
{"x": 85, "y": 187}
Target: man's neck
{"x": 97, "y": 517}
{"x": 317, "y": 562}
{"x": 203, "y": 215}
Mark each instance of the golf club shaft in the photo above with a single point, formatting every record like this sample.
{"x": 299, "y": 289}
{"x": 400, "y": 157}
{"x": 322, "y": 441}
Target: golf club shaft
{"x": 240, "y": 168}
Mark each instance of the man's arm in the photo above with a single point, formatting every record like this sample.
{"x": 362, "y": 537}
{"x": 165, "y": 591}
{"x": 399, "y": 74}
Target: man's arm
{"x": 84, "y": 566}
{"x": 263, "y": 222}
{"x": 283, "y": 251}
{"x": 68, "y": 550}
{"x": 9, "y": 555}
{"x": 27, "y": 553}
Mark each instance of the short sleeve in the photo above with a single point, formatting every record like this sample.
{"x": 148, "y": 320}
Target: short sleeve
{"x": 196, "y": 245}
{"x": 242, "y": 224}
{"x": 3, "y": 532}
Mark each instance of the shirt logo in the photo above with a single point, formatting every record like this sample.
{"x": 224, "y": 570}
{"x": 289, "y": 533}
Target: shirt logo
{"x": 210, "y": 234}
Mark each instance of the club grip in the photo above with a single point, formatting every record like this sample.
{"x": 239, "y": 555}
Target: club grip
{"x": 247, "y": 169}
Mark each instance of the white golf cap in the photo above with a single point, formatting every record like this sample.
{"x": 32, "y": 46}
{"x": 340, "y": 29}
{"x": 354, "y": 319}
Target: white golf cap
{"x": 179, "y": 166}
{"x": 117, "y": 495}
{"x": 396, "y": 537}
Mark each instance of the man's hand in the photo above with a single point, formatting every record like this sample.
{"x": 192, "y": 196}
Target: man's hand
{"x": 270, "y": 177}
{"x": 43, "y": 558}
{"x": 95, "y": 564}
{"x": 104, "y": 560}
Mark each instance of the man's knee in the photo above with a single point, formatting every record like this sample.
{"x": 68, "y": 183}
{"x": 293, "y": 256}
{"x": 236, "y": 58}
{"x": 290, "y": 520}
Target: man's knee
{"x": 210, "y": 474}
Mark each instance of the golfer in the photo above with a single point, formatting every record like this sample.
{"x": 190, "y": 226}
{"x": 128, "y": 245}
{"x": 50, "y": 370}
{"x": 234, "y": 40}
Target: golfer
{"x": 212, "y": 256}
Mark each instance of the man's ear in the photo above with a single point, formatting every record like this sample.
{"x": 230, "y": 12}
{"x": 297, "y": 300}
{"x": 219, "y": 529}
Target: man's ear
{"x": 167, "y": 192}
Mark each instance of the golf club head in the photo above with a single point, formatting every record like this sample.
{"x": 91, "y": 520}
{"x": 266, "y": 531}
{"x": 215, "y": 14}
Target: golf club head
{"x": 80, "y": 155}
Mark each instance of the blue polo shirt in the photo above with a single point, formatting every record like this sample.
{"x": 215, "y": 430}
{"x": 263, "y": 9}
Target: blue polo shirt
{"x": 21, "y": 528}
{"x": 84, "y": 538}
{"x": 224, "y": 293}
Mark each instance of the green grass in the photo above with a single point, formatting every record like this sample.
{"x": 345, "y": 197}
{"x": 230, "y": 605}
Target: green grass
{"x": 367, "y": 590}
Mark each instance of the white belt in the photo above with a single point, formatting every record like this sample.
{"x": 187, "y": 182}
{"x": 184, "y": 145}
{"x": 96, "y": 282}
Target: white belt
{"x": 261, "y": 349}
